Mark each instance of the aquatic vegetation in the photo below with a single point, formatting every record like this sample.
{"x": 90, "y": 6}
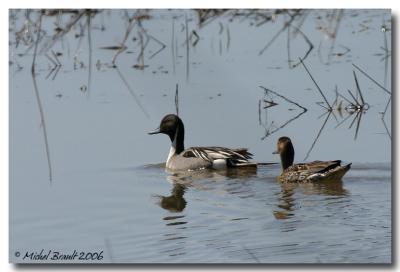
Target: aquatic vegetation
{"x": 67, "y": 41}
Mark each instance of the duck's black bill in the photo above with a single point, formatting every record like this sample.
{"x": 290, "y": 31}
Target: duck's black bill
{"x": 157, "y": 131}
{"x": 275, "y": 152}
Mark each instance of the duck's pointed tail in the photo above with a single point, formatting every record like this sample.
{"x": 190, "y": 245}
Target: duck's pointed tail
{"x": 251, "y": 164}
{"x": 338, "y": 172}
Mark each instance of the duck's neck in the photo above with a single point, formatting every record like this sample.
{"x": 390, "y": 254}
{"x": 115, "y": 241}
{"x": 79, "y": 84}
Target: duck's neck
{"x": 177, "y": 141}
{"x": 287, "y": 156}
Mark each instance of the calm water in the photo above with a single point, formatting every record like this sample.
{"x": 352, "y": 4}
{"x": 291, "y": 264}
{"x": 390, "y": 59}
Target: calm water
{"x": 109, "y": 191}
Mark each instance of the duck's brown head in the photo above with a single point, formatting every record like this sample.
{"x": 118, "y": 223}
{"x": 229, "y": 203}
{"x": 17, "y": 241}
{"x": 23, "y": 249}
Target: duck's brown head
{"x": 286, "y": 150}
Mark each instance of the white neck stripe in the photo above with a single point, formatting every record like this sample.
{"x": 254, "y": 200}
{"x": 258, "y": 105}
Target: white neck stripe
{"x": 172, "y": 151}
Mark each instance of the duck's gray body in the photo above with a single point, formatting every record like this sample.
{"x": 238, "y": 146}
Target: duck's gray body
{"x": 196, "y": 158}
{"x": 214, "y": 157}
{"x": 179, "y": 162}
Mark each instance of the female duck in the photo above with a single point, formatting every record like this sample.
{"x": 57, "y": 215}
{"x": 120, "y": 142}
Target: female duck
{"x": 305, "y": 172}
{"x": 198, "y": 157}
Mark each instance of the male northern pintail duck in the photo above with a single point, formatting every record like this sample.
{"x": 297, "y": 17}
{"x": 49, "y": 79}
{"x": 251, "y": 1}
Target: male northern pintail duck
{"x": 305, "y": 172}
{"x": 195, "y": 158}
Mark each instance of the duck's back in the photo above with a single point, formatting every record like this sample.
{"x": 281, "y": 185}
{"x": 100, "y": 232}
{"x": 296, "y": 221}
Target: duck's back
{"x": 210, "y": 157}
{"x": 221, "y": 157}
{"x": 314, "y": 171}
{"x": 314, "y": 166}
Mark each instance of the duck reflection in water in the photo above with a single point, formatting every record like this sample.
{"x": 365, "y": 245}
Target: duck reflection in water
{"x": 175, "y": 202}
{"x": 287, "y": 199}
{"x": 200, "y": 180}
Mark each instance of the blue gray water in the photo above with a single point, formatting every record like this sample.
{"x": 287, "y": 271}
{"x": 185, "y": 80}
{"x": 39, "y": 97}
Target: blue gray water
{"x": 109, "y": 193}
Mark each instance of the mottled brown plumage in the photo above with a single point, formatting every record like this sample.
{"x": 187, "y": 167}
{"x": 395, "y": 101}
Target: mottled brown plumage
{"x": 306, "y": 172}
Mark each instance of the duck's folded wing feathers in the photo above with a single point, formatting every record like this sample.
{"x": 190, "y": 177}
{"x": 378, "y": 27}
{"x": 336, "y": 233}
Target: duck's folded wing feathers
{"x": 214, "y": 152}
{"x": 315, "y": 166}
{"x": 309, "y": 171}
{"x": 196, "y": 153}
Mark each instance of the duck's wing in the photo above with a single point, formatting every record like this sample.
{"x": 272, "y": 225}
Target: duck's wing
{"x": 315, "y": 166}
{"x": 212, "y": 153}
{"x": 315, "y": 171}
{"x": 195, "y": 152}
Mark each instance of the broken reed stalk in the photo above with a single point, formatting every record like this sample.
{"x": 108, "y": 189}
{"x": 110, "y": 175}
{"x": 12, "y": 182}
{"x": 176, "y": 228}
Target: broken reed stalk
{"x": 348, "y": 101}
{"x": 177, "y": 100}
{"x": 334, "y": 34}
{"x": 80, "y": 38}
{"x": 354, "y": 119}
{"x": 387, "y": 129}
{"x": 276, "y": 35}
{"x": 324, "y": 113}
{"x": 319, "y": 89}
{"x": 88, "y": 14}
{"x": 228, "y": 38}
{"x": 269, "y": 132}
{"x": 64, "y": 31}
{"x": 373, "y": 80}
{"x": 176, "y": 47}
{"x": 318, "y": 135}
{"x": 132, "y": 22}
{"x": 336, "y": 96}
{"x": 334, "y": 116}
{"x": 163, "y": 46}
{"x": 187, "y": 47}
{"x": 172, "y": 44}
{"x": 251, "y": 254}
{"x": 132, "y": 92}
{"x": 387, "y": 106}
{"x": 281, "y": 96}
{"x": 56, "y": 58}
{"x": 141, "y": 54}
{"x": 288, "y": 47}
{"x": 344, "y": 120}
{"x": 51, "y": 60}
{"x": 360, "y": 113}
{"x": 355, "y": 99}
{"x": 57, "y": 65}
{"x": 143, "y": 46}
{"x": 58, "y": 68}
{"x": 358, "y": 88}
{"x": 386, "y": 57}
{"x": 38, "y": 100}
{"x": 148, "y": 38}
{"x": 310, "y": 48}
{"x": 51, "y": 72}
{"x": 357, "y": 117}
{"x": 303, "y": 18}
